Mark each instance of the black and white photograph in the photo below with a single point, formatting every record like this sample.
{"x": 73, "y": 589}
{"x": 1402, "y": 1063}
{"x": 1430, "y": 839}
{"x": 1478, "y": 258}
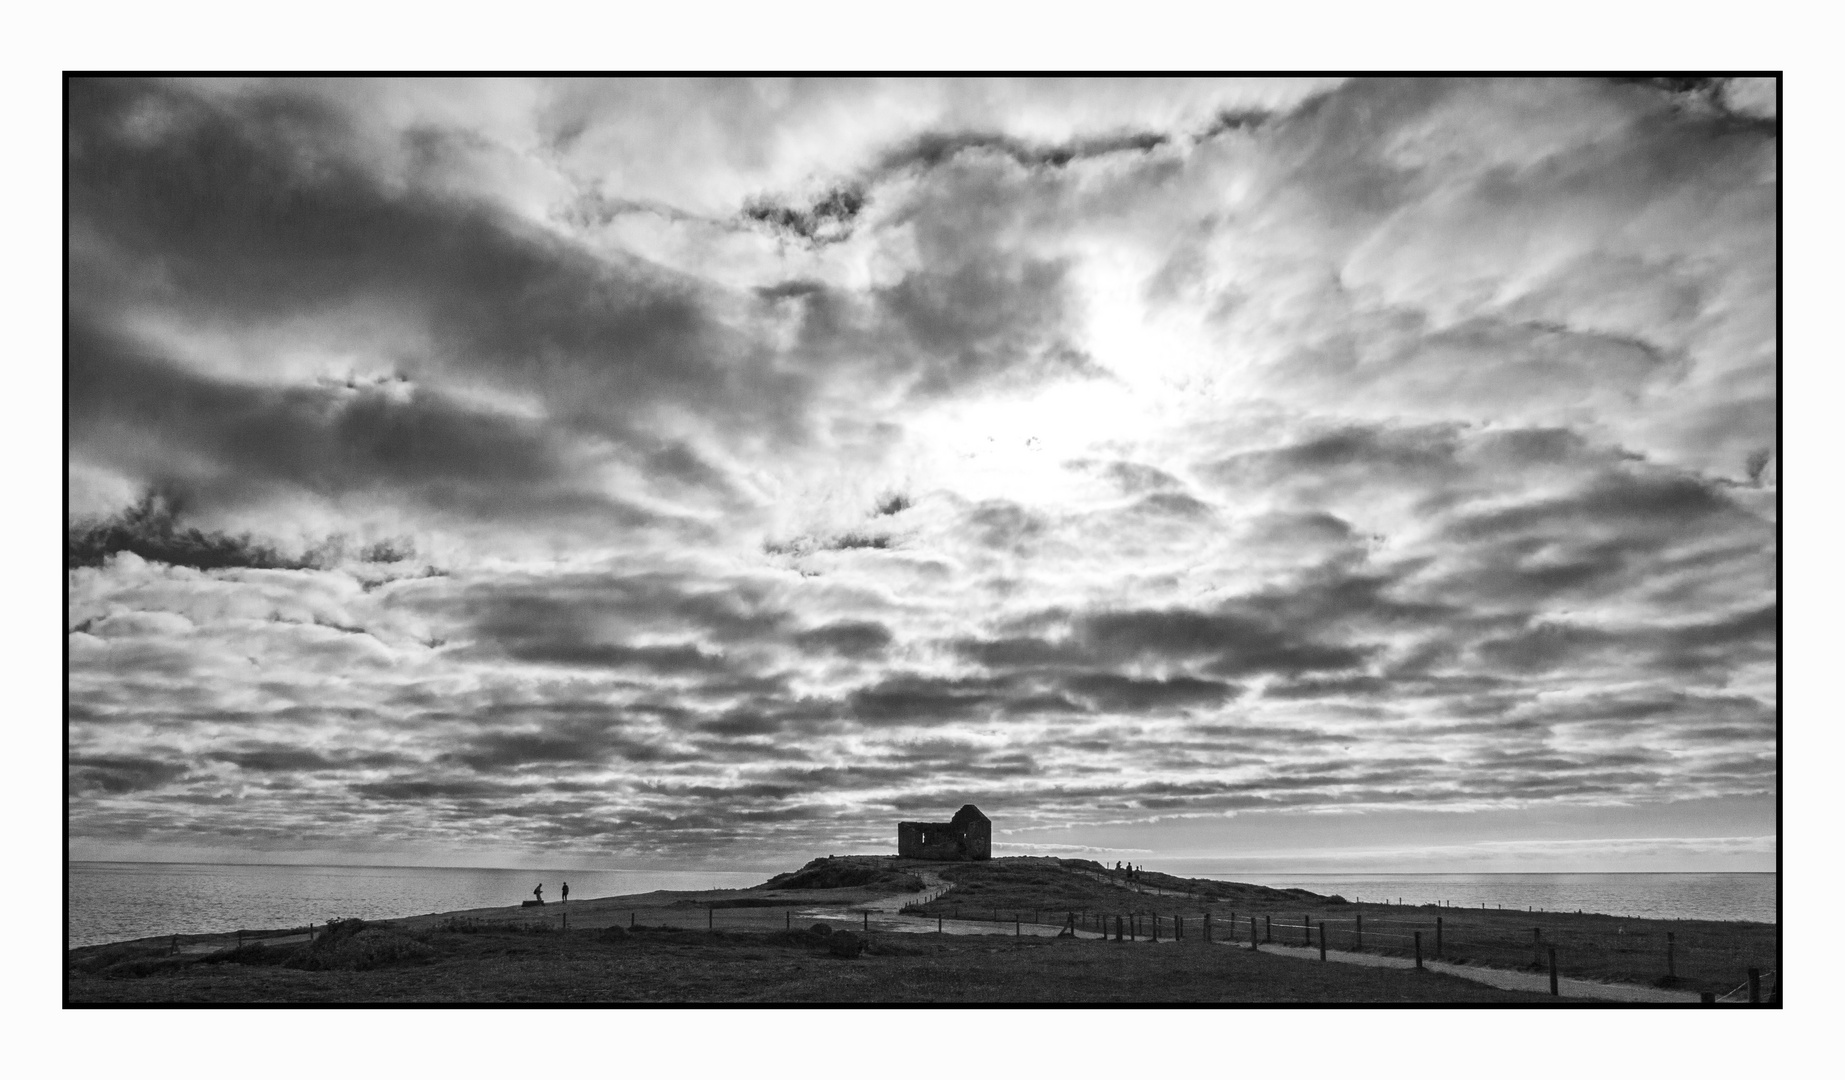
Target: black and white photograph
{"x": 1060, "y": 540}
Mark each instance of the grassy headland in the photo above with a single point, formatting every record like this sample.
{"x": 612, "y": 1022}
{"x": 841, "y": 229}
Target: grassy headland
{"x": 758, "y": 945}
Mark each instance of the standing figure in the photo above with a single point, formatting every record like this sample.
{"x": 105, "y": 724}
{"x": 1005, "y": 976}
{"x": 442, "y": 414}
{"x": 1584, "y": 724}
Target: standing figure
{"x": 566, "y": 892}
{"x": 539, "y": 892}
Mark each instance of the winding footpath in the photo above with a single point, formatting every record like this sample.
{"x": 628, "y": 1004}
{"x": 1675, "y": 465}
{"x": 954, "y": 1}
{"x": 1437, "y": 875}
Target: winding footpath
{"x": 885, "y": 913}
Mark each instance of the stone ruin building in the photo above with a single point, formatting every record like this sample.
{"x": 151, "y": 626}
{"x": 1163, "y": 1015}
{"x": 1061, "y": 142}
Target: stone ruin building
{"x": 969, "y": 836}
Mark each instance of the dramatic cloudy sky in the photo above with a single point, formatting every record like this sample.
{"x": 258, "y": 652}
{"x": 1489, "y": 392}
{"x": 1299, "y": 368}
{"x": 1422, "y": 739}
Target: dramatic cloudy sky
{"x": 1320, "y": 474}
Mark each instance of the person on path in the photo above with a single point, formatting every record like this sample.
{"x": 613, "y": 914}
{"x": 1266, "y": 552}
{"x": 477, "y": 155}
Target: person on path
{"x": 539, "y": 892}
{"x": 566, "y": 892}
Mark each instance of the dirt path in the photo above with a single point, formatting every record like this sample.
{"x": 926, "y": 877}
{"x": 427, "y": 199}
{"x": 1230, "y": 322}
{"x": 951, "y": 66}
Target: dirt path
{"x": 886, "y": 914}
{"x": 1499, "y": 977}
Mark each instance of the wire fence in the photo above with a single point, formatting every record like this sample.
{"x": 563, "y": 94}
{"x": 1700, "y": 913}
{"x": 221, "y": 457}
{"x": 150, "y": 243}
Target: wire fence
{"x": 1614, "y": 952}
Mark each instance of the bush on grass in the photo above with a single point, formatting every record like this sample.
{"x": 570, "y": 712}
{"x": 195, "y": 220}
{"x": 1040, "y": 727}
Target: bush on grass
{"x": 352, "y": 945}
{"x": 844, "y": 944}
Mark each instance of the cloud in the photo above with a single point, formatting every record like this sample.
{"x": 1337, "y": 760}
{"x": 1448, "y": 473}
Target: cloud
{"x": 673, "y": 469}
{"x": 148, "y": 529}
{"x": 827, "y": 221}
{"x": 116, "y": 775}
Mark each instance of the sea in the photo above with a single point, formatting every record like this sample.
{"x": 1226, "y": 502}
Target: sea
{"x": 1728, "y": 897}
{"x": 120, "y": 901}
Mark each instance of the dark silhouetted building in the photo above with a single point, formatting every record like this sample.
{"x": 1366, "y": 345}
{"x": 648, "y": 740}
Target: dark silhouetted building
{"x": 969, "y": 836}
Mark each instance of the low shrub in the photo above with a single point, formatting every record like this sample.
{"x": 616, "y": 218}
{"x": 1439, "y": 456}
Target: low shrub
{"x": 845, "y": 944}
{"x": 346, "y": 947}
{"x": 253, "y": 955}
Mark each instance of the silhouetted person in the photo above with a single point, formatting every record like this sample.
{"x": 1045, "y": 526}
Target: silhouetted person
{"x": 566, "y": 892}
{"x": 539, "y": 892}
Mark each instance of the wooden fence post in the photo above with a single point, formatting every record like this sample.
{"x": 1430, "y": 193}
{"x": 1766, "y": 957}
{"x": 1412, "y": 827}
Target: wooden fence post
{"x": 1358, "y": 933}
{"x": 1207, "y": 928}
{"x": 710, "y": 916}
{"x": 630, "y": 920}
{"x": 1306, "y": 931}
{"x": 1016, "y": 932}
{"x": 1156, "y": 927}
{"x": 1418, "y": 950}
{"x": 938, "y": 924}
{"x": 1117, "y": 928}
{"x": 1553, "y": 971}
{"x": 1322, "y": 939}
{"x": 1755, "y": 986}
{"x": 1255, "y": 939}
{"x": 1438, "y": 937}
{"x": 788, "y": 920}
{"x": 867, "y": 915}
{"x": 1233, "y": 928}
{"x": 1671, "y": 972}
{"x": 1268, "y": 928}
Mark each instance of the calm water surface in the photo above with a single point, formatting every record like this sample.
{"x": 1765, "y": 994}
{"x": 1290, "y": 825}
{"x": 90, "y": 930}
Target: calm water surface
{"x": 1748, "y": 897}
{"x": 116, "y": 901}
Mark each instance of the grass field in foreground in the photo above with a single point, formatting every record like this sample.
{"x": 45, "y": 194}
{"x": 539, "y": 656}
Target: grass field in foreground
{"x": 689, "y": 966}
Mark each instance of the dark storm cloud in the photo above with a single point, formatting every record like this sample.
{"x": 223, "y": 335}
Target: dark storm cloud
{"x": 149, "y": 529}
{"x": 919, "y": 699}
{"x": 118, "y": 775}
{"x": 1236, "y": 120}
{"x": 282, "y": 758}
{"x": 568, "y": 743}
{"x": 969, "y": 323}
{"x": 1687, "y": 650}
{"x": 1229, "y": 642}
{"x": 847, "y": 638}
{"x": 934, "y": 149}
{"x": 582, "y": 607}
{"x": 416, "y": 790}
{"x": 1258, "y": 634}
{"x": 1349, "y": 455}
{"x": 969, "y": 313}
{"x": 1648, "y": 503}
{"x": 127, "y": 407}
{"x": 828, "y": 221}
{"x": 1119, "y": 693}
{"x": 264, "y": 209}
